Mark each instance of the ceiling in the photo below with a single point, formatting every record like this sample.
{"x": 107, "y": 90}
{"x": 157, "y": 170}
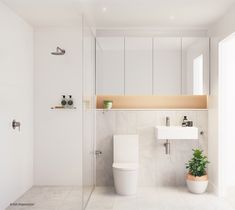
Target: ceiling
{"x": 123, "y": 13}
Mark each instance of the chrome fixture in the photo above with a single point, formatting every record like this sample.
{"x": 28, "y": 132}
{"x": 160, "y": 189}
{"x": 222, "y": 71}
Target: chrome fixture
{"x": 98, "y": 153}
{"x": 59, "y": 51}
{"x": 16, "y": 124}
{"x": 168, "y": 121}
{"x": 167, "y": 143}
{"x": 201, "y": 133}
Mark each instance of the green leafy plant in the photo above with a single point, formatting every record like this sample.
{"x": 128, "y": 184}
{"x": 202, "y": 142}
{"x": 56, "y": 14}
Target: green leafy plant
{"x": 197, "y": 165}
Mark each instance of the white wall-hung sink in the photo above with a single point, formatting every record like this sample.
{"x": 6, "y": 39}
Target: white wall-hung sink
{"x": 176, "y": 132}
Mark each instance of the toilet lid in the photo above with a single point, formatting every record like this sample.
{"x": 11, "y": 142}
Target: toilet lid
{"x": 125, "y": 166}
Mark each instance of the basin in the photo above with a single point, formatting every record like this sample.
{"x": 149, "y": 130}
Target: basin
{"x": 176, "y": 132}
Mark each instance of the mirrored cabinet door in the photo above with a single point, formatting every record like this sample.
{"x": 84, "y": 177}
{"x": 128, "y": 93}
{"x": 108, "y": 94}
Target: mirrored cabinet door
{"x": 138, "y": 65}
{"x": 152, "y": 66}
{"x": 195, "y": 66}
{"x": 167, "y": 66}
{"x": 110, "y": 66}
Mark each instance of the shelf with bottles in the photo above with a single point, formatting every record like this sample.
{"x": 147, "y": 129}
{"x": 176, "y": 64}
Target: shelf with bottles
{"x": 66, "y": 102}
{"x": 62, "y": 107}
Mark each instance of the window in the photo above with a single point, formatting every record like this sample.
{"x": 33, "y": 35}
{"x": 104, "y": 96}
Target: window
{"x": 198, "y": 75}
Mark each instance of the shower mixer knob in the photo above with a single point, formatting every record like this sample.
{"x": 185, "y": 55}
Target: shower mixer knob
{"x": 16, "y": 124}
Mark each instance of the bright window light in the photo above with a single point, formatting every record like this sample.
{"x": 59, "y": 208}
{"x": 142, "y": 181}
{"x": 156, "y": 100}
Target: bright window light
{"x": 198, "y": 75}
{"x": 226, "y": 114}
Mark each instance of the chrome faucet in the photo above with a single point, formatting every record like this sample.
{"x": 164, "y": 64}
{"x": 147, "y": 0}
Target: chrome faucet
{"x": 168, "y": 121}
{"x": 167, "y": 143}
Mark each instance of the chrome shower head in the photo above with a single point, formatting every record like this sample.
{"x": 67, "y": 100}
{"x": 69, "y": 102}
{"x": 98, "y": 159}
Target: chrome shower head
{"x": 59, "y": 51}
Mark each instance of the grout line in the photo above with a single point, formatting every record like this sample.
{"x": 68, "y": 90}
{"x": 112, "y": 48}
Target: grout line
{"x": 210, "y": 79}
{"x": 152, "y": 65}
{"x": 181, "y": 66}
{"x": 124, "y": 54}
{"x": 95, "y": 68}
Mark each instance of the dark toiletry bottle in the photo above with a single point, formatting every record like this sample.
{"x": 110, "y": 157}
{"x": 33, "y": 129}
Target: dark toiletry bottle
{"x": 70, "y": 101}
{"x": 185, "y": 121}
{"x": 190, "y": 124}
{"x": 63, "y": 101}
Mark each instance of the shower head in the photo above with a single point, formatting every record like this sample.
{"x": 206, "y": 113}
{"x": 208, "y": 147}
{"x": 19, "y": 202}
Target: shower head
{"x": 59, "y": 51}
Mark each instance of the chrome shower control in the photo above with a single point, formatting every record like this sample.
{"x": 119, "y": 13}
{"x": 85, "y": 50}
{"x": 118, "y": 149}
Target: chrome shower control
{"x": 16, "y": 124}
{"x": 98, "y": 152}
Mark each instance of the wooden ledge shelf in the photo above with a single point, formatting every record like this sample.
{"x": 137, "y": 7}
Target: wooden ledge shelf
{"x": 139, "y": 109}
{"x": 154, "y": 102}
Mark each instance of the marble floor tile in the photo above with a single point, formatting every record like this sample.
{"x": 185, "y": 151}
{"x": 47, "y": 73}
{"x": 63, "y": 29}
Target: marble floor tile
{"x": 161, "y": 198}
{"x": 105, "y": 198}
{"x": 50, "y": 198}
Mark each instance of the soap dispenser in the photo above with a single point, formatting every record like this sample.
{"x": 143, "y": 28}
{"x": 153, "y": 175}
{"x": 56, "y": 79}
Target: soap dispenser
{"x": 63, "y": 101}
{"x": 70, "y": 101}
{"x": 185, "y": 121}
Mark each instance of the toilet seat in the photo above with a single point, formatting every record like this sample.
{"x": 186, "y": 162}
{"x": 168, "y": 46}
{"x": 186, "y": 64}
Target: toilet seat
{"x": 126, "y": 166}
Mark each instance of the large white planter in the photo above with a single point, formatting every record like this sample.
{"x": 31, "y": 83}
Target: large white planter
{"x": 197, "y": 185}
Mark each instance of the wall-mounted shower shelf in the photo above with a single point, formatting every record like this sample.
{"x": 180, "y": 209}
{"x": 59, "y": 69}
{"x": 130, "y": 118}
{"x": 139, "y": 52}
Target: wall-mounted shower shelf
{"x": 62, "y": 108}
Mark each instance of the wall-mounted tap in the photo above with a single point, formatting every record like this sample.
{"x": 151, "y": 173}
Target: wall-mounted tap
{"x": 16, "y": 124}
{"x": 98, "y": 153}
{"x": 167, "y": 144}
{"x": 168, "y": 123}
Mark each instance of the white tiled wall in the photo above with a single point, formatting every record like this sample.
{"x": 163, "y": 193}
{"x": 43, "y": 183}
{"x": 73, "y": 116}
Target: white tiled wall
{"x": 156, "y": 168}
{"x": 58, "y": 133}
{"x": 16, "y": 90}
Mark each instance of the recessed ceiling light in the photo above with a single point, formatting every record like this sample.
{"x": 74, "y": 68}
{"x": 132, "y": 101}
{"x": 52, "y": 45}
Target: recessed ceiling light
{"x": 172, "y": 17}
{"x": 104, "y": 9}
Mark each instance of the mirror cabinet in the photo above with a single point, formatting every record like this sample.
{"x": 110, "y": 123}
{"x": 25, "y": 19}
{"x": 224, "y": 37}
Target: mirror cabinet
{"x": 152, "y": 66}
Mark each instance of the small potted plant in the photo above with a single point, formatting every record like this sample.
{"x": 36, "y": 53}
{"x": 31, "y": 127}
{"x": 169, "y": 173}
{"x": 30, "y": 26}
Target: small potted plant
{"x": 108, "y": 104}
{"x": 197, "y": 179}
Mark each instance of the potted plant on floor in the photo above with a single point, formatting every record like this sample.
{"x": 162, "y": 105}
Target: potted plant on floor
{"x": 197, "y": 179}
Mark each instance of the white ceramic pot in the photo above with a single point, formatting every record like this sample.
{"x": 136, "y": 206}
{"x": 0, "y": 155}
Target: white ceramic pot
{"x": 197, "y": 185}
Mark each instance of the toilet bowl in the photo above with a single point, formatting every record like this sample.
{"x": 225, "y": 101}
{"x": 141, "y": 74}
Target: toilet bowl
{"x": 125, "y": 178}
{"x": 125, "y": 165}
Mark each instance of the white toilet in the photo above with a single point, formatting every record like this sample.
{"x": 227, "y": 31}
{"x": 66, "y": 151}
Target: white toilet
{"x": 125, "y": 163}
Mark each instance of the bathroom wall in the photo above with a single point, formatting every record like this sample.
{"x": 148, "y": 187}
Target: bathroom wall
{"x": 58, "y": 133}
{"x": 218, "y": 31}
{"x": 156, "y": 168}
{"x": 16, "y": 102}
{"x": 227, "y": 104}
